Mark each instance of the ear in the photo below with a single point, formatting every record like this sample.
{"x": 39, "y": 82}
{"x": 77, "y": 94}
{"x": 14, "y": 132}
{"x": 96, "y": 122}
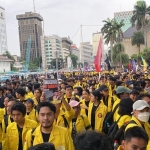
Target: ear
{"x": 123, "y": 143}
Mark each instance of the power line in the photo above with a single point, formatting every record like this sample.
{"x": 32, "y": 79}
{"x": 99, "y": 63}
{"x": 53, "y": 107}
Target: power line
{"x": 76, "y": 33}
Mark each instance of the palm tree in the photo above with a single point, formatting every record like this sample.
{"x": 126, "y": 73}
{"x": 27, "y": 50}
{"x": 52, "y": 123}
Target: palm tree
{"x": 109, "y": 33}
{"x": 139, "y": 18}
{"x": 138, "y": 39}
{"x": 123, "y": 57}
{"x": 117, "y": 50}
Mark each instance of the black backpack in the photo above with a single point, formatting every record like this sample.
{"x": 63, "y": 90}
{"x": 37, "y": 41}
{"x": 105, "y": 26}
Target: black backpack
{"x": 113, "y": 129}
{"x": 108, "y": 121}
{"x": 119, "y": 136}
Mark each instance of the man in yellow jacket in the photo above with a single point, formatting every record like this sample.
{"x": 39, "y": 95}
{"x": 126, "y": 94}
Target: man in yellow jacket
{"x": 140, "y": 117}
{"x": 47, "y": 131}
{"x": 16, "y": 131}
{"x": 135, "y": 138}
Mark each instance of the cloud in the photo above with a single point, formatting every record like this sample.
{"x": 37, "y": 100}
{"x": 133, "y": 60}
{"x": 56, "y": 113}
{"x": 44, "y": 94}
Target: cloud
{"x": 63, "y": 17}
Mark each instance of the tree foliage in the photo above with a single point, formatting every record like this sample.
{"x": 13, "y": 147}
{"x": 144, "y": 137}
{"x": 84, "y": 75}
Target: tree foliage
{"x": 8, "y": 55}
{"x": 138, "y": 39}
{"x": 74, "y": 59}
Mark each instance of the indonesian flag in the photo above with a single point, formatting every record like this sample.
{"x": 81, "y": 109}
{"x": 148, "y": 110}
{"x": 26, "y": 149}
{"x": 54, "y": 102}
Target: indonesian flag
{"x": 98, "y": 58}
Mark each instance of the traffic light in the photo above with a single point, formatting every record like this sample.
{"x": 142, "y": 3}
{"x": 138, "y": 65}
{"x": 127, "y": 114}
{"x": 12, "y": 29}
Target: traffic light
{"x": 59, "y": 64}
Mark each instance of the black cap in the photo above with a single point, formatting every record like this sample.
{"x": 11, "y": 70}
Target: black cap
{"x": 103, "y": 88}
{"x": 112, "y": 78}
{"x": 134, "y": 91}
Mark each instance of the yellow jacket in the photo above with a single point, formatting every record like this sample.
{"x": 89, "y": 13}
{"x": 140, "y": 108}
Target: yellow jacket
{"x": 32, "y": 115}
{"x": 109, "y": 103}
{"x": 35, "y": 101}
{"x": 82, "y": 103}
{"x": 100, "y": 114}
{"x": 137, "y": 123}
{"x": 123, "y": 120}
{"x": 30, "y": 95}
{"x": 64, "y": 114}
{"x": 117, "y": 101}
{"x": 120, "y": 148}
{"x": 82, "y": 124}
{"x": 111, "y": 90}
{"x": 2, "y": 113}
{"x": 59, "y": 136}
{"x": 12, "y": 136}
{"x": 4, "y": 128}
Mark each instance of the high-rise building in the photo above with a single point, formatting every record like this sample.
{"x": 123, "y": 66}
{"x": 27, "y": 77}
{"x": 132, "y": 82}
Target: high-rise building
{"x": 51, "y": 47}
{"x": 3, "y": 35}
{"x": 86, "y": 53}
{"x": 126, "y": 16}
{"x": 30, "y": 24}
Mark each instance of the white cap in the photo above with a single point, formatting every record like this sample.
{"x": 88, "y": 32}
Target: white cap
{"x": 140, "y": 105}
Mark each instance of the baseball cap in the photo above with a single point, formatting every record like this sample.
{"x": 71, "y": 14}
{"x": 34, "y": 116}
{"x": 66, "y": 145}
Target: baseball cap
{"x": 134, "y": 91}
{"x": 122, "y": 89}
{"x": 129, "y": 82}
{"x": 140, "y": 105}
{"x": 103, "y": 88}
{"x": 74, "y": 103}
{"x": 29, "y": 100}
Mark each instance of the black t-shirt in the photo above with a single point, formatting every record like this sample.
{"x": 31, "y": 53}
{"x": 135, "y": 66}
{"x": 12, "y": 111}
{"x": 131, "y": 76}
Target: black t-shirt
{"x": 87, "y": 104}
{"x": 20, "y": 138}
{"x": 93, "y": 116}
{"x": 46, "y": 137}
{"x": 105, "y": 101}
{"x": 28, "y": 113}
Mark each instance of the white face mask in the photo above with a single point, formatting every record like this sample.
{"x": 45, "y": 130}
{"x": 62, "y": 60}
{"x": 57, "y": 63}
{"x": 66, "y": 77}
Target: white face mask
{"x": 144, "y": 117}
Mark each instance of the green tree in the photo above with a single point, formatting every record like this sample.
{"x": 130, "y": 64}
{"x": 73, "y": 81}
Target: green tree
{"x": 74, "y": 59}
{"x": 139, "y": 18}
{"x": 146, "y": 55}
{"x": 117, "y": 49}
{"x": 8, "y": 55}
{"x": 138, "y": 39}
{"x": 123, "y": 57}
{"x": 109, "y": 33}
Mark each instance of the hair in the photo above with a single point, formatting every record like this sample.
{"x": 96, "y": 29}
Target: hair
{"x": 141, "y": 96}
{"x": 143, "y": 84}
{"x": 80, "y": 90}
{"x": 14, "y": 83}
{"x": 43, "y": 146}
{"x": 10, "y": 89}
{"x": 87, "y": 91}
{"x": 1, "y": 89}
{"x": 13, "y": 100}
{"x": 46, "y": 104}
{"x": 36, "y": 86}
{"x": 21, "y": 91}
{"x": 4, "y": 87}
{"x": 29, "y": 87}
{"x": 119, "y": 94}
{"x": 39, "y": 90}
{"x": 97, "y": 94}
{"x": 8, "y": 96}
{"x": 19, "y": 107}
{"x": 99, "y": 141}
{"x": 69, "y": 86}
{"x": 136, "y": 132}
{"x": 125, "y": 107}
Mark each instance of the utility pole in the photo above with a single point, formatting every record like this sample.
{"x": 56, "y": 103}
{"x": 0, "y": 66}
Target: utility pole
{"x": 34, "y": 10}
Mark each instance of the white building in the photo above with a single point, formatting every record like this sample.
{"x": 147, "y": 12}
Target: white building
{"x": 51, "y": 46}
{"x": 3, "y": 35}
{"x": 86, "y": 53}
{"x": 5, "y": 64}
{"x": 65, "y": 53}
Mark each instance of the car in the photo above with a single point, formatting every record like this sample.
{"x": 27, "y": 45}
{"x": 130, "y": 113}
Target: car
{"x": 4, "y": 78}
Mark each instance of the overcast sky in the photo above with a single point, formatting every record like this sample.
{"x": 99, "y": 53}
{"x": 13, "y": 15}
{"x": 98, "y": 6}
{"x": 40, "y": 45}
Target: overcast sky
{"x": 63, "y": 17}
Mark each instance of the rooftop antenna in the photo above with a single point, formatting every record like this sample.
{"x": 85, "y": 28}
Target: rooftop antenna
{"x": 34, "y": 6}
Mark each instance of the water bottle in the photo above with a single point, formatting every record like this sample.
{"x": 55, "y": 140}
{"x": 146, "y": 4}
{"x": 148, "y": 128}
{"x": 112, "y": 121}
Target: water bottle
{"x": 116, "y": 145}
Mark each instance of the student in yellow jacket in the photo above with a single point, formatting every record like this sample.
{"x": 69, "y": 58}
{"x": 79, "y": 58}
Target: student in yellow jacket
{"x": 79, "y": 122}
{"x": 16, "y": 131}
{"x": 31, "y": 113}
{"x": 124, "y": 112}
{"x": 121, "y": 92}
{"x": 84, "y": 103}
{"x": 47, "y": 131}
{"x": 63, "y": 118}
{"x": 97, "y": 111}
{"x": 140, "y": 117}
{"x": 7, "y": 120}
{"x": 135, "y": 138}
